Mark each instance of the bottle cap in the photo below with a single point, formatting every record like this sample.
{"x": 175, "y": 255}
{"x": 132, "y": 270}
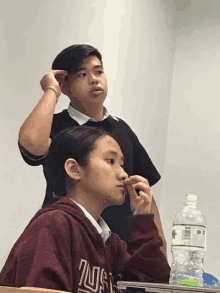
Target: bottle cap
{"x": 190, "y": 198}
{"x": 190, "y": 283}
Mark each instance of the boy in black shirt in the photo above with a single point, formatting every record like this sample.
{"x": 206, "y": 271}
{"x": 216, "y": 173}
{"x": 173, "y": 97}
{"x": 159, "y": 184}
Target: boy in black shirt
{"x": 78, "y": 73}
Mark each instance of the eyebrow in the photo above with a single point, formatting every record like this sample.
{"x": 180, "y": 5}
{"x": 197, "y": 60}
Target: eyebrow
{"x": 94, "y": 67}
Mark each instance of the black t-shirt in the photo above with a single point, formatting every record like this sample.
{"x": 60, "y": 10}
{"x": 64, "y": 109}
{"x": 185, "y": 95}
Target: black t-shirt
{"x": 137, "y": 162}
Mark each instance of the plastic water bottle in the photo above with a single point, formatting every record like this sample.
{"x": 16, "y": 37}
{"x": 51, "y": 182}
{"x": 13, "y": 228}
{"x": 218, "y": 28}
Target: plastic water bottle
{"x": 188, "y": 244}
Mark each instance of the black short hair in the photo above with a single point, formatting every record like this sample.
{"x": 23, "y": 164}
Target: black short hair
{"x": 72, "y": 57}
{"x": 75, "y": 142}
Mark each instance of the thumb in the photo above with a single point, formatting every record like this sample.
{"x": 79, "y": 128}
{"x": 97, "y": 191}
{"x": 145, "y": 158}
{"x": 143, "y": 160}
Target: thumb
{"x": 132, "y": 193}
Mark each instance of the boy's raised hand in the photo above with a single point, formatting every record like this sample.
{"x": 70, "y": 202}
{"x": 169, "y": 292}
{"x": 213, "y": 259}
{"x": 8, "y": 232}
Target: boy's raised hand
{"x": 53, "y": 79}
{"x": 141, "y": 202}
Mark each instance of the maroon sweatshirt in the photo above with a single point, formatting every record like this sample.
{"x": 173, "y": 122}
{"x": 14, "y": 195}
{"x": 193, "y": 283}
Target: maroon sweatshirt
{"x": 61, "y": 249}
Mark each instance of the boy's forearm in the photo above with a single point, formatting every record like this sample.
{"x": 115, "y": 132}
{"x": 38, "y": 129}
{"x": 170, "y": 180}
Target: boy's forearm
{"x": 154, "y": 210}
{"x": 34, "y": 134}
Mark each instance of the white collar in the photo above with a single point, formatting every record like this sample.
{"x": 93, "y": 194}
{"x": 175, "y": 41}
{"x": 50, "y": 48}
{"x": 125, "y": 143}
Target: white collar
{"x": 101, "y": 226}
{"x": 82, "y": 118}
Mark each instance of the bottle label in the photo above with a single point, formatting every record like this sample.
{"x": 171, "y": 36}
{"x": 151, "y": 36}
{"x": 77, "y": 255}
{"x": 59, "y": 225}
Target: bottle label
{"x": 189, "y": 235}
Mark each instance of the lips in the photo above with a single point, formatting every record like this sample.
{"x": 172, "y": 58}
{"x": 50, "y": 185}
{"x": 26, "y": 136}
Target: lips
{"x": 122, "y": 186}
{"x": 96, "y": 89}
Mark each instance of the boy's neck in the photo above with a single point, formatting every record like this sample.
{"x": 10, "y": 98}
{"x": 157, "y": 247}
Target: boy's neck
{"x": 93, "y": 111}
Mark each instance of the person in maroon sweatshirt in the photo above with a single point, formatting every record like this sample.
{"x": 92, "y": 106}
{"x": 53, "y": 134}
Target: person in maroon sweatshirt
{"x": 68, "y": 246}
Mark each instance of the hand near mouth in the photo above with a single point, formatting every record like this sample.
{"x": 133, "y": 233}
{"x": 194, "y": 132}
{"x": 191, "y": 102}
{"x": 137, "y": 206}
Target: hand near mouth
{"x": 140, "y": 203}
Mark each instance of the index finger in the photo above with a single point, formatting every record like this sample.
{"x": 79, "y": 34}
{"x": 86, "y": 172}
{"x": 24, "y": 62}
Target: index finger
{"x": 135, "y": 179}
{"x": 131, "y": 191}
{"x": 59, "y": 72}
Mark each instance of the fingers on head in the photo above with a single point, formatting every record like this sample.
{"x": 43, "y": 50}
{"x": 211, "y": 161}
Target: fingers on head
{"x": 59, "y": 72}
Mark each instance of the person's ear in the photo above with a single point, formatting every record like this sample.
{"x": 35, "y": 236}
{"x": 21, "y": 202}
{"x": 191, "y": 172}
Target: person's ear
{"x": 73, "y": 169}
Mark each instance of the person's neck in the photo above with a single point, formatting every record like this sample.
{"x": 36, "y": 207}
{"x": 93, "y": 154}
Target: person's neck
{"x": 94, "y": 111}
{"x": 91, "y": 204}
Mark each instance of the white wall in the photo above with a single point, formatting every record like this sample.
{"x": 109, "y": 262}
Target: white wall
{"x": 137, "y": 42}
{"x": 193, "y": 139}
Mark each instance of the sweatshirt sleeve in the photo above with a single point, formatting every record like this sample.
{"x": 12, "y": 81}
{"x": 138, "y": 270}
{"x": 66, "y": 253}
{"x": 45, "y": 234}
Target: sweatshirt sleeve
{"x": 48, "y": 257}
{"x": 144, "y": 260}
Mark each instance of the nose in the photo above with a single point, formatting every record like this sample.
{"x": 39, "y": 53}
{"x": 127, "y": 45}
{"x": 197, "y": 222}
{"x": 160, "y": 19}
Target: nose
{"x": 93, "y": 79}
{"x": 122, "y": 174}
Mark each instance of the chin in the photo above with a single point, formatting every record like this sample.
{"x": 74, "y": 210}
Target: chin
{"x": 115, "y": 201}
{"x": 119, "y": 200}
